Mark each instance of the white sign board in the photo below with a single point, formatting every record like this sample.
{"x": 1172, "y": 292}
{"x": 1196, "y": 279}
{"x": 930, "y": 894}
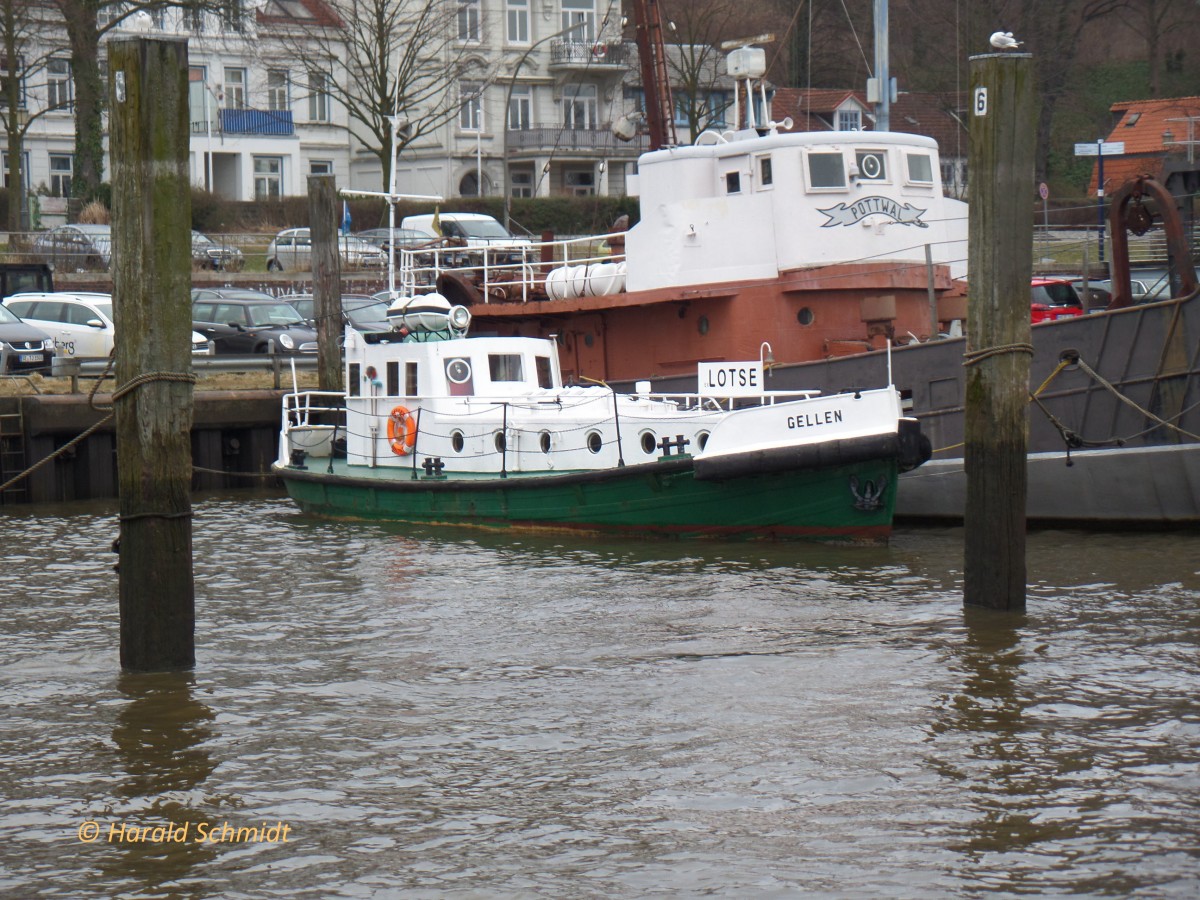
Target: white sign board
{"x": 730, "y": 379}
{"x": 1098, "y": 148}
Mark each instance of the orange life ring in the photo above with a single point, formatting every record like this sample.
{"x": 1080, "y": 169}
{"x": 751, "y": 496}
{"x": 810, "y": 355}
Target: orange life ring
{"x": 401, "y": 430}
{"x": 599, "y": 51}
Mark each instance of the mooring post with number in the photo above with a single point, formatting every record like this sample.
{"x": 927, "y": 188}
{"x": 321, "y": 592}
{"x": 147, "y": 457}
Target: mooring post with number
{"x": 1004, "y": 116}
{"x": 152, "y": 269}
{"x": 327, "y": 279}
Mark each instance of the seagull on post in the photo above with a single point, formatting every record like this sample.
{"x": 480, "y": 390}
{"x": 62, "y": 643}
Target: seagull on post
{"x": 1003, "y": 40}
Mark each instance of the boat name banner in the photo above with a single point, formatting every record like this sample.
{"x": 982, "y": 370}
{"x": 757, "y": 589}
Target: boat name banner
{"x": 730, "y": 379}
{"x": 873, "y": 206}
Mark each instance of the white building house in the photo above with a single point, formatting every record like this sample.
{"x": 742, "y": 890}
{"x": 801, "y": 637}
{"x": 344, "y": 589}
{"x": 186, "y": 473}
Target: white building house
{"x": 536, "y": 91}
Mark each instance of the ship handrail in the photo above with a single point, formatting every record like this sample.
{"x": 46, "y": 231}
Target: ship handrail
{"x": 420, "y": 268}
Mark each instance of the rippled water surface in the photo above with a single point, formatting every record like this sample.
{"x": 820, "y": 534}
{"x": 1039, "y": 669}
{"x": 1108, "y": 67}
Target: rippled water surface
{"x": 448, "y": 714}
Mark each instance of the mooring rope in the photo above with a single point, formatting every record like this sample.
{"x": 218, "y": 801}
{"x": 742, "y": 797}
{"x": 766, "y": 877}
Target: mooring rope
{"x": 973, "y": 357}
{"x": 126, "y": 388}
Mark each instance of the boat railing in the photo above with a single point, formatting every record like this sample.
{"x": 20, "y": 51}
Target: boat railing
{"x": 517, "y": 272}
{"x": 308, "y": 409}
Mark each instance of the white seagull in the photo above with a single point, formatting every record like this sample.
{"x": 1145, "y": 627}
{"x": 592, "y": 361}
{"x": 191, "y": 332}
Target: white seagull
{"x": 1003, "y": 40}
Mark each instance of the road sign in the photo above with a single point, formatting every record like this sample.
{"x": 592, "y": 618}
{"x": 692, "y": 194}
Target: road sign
{"x": 1043, "y": 191}
{"x": 1100, "y": 148}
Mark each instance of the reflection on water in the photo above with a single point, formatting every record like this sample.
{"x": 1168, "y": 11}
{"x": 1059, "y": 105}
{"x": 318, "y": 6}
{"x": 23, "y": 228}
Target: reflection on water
{"x": 441, "y": 714}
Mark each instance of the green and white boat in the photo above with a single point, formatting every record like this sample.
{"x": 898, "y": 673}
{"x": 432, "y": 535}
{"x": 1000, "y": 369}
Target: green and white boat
{"x": 443, "y": 429}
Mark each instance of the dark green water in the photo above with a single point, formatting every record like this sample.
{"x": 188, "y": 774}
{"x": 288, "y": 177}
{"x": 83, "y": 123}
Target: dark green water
{"x": 443, "y": 714}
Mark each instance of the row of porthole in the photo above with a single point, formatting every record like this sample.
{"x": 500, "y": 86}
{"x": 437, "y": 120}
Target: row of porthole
{"x": 594, "y": 441}
{"x": 804, "y": 317}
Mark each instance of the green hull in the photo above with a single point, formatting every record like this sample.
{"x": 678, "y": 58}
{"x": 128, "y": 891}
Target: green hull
{"x": 661, "y": 498}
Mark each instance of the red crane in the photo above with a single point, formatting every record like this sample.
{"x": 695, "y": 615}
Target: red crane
{"x": 652, "y": 54}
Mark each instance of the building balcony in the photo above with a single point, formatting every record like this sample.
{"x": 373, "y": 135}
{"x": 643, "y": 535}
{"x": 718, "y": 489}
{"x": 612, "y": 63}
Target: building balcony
{"x": 589, "y": 55}
{"x": 557, "y": 139}
{"x": 271, "y": 122}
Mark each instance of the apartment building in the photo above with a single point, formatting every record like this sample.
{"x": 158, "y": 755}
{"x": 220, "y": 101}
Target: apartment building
{"x": 531, "y": 98}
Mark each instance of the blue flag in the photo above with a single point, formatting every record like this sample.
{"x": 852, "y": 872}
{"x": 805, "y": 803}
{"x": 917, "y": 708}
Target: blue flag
{"x": 345, "y": 217}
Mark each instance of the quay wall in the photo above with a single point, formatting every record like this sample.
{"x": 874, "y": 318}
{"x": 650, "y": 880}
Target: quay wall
{"x": 235, "y": 437}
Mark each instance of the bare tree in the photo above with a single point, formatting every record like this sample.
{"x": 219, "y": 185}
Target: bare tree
{"x": 28, "y": 46}
{"x": 393, "y": 61}
{"x": 1154, "y": 21}
{"x": 696, "y": 63}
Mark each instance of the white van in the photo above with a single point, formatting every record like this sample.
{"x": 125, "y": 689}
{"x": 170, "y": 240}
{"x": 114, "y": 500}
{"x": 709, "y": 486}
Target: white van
{"x": 477, "y": 229}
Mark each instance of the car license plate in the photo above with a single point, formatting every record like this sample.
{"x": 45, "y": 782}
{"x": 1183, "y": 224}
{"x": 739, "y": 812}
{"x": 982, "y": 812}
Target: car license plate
{"x": 29, "y": 357}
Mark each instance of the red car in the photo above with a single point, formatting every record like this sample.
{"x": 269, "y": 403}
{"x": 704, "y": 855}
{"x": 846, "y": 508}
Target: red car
{"x": 1054, "y": 298}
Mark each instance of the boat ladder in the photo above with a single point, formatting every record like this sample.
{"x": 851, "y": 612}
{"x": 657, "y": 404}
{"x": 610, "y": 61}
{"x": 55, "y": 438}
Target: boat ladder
{"x": 12, "y": 455}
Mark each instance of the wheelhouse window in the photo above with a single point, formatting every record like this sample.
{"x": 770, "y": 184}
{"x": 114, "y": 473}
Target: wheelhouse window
{"x": 920, "y": 168}
{"x": 872, "y": 165}
{"x": 545, "y": 373}
{"x": 733, "y": 182}
{"x": 505, "y": 367}
{"x": 518, "y": 21}
{"x": 766, "y": 177}
{"x": 826, "y": 170}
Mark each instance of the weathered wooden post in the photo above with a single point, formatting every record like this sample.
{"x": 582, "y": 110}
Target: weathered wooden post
{"x": 327, "y": 279}
{"x": 1004, "y": 110}
{"x": 152, "y": 251}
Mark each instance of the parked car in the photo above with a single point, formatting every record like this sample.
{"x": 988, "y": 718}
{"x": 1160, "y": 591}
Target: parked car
{"x": 80, "y": 324}
{"x": 291, "y": 251}
{"x": 208, "y": 254}
{"x": 76, "y": 247}
{"x": 363, "y": 313}
{"x": 237, "y": 323}
{"x": 24, "y": 348}
{"x": 1053, "y": 298}
{"x": 400, "y": 238}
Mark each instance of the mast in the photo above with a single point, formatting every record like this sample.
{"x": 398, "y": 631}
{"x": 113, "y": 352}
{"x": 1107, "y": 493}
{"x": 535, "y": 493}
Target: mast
{"x": 652, "y": 56}
{"x": 883, "y": 77}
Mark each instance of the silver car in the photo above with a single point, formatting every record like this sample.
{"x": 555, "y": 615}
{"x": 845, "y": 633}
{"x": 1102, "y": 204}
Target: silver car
{"x": 291, "y": 251}
{"x": 76, "y": 248}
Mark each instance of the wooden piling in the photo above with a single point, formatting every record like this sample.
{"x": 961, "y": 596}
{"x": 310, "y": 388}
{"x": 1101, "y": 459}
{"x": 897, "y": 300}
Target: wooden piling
{"x": 327, "y": 279}
{"x": 148, "y": 111}
{"x": 1001, "y": 163}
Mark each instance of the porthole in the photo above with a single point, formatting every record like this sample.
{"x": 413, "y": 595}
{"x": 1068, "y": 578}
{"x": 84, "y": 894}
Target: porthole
{"x": 701, "y": 440}
{"x": 544, "y": 441}
{"x": 501, "y": 443}
{"x": 649, "y": 442}
{"x": 594, "y": 441}
{"x": 457, "y": 441}
{"x": 805, "y": 316}
{"x": 702, "y": 324}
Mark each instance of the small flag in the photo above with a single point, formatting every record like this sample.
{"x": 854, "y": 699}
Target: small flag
{"x": 437, "y": 221}
{"x": 345, "y": 217}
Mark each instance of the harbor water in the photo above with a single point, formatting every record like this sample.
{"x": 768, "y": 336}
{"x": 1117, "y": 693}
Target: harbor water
{"x": 385, "y": 712}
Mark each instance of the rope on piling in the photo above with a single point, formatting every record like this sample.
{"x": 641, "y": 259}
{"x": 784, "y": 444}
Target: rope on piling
{"x": 973, "y": 357}
{"x": 128, "y": 387}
